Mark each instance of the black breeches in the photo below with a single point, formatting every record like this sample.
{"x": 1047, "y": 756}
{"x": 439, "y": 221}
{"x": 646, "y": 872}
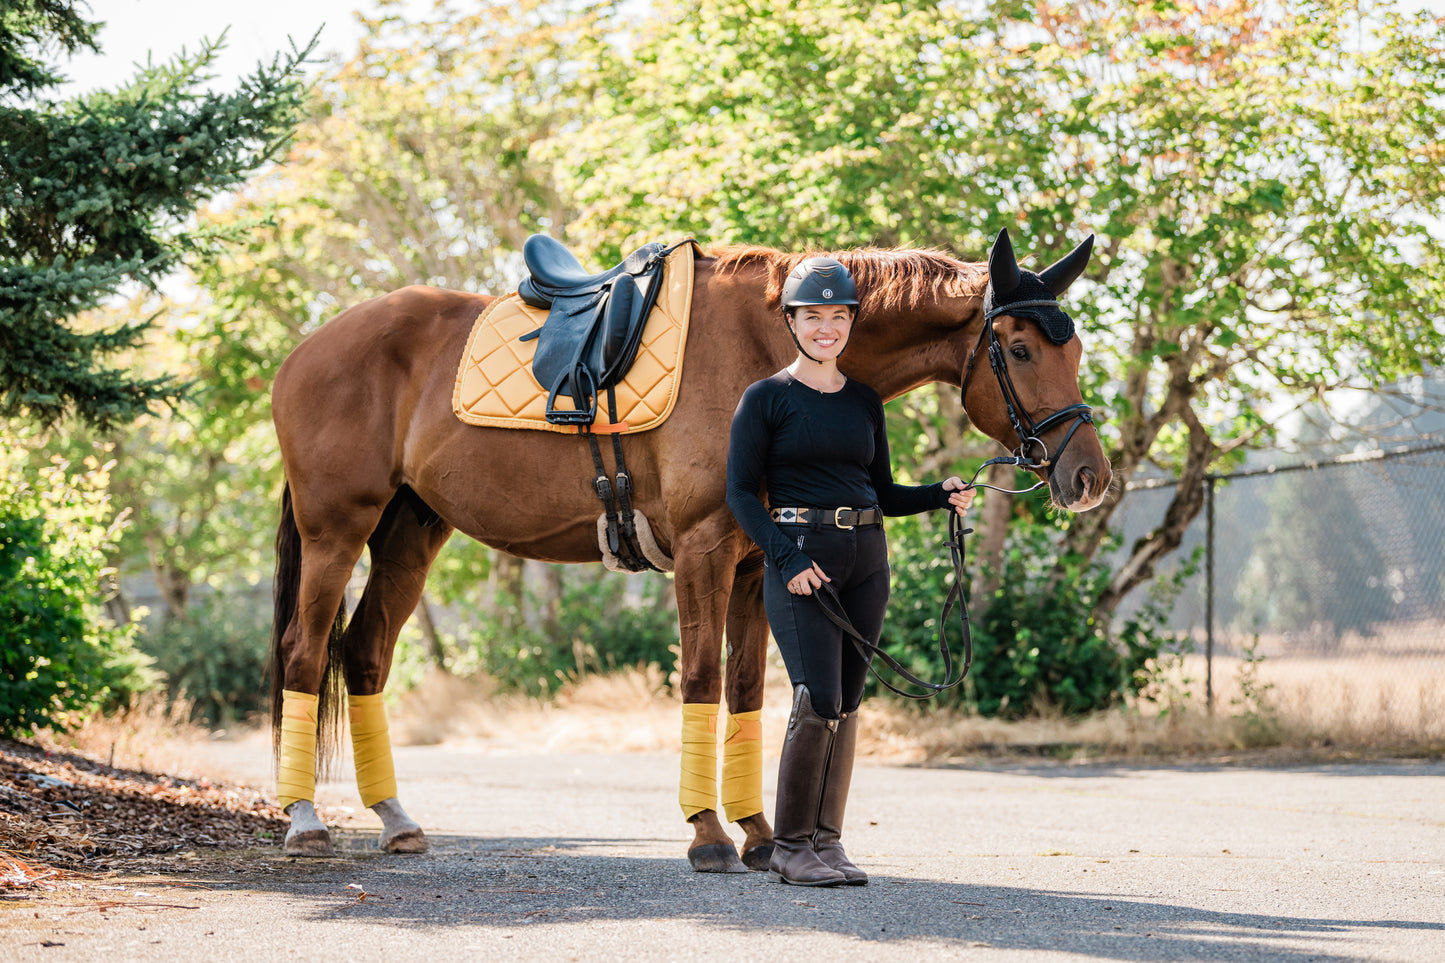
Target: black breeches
{"x": 814, "y": 649}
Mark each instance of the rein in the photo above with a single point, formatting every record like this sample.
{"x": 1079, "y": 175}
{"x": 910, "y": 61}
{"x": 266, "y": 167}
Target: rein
{"x": 833, "y": 609}
{"x": 1028, "y": 432}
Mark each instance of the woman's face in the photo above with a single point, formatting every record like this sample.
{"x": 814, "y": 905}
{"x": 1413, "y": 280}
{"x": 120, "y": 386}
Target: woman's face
{"x": 822, "y": 329}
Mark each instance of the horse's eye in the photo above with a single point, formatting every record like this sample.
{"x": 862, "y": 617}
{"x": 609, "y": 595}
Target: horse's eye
{"x": 1019, "y": 352}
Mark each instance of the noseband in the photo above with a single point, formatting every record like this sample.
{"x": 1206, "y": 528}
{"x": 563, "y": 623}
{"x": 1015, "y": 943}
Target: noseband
{"x": 1029, "y": 432}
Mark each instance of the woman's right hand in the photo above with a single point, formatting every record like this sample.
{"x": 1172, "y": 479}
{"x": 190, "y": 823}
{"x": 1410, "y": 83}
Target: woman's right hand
{"x": 808, "y": 581}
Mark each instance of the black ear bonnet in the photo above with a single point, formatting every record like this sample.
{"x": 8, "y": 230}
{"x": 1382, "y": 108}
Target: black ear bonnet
{"x": 1023, "y": 294}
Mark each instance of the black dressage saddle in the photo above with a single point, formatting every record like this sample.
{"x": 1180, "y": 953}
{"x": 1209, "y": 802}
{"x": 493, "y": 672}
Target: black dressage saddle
{"x": 594, "y": 321}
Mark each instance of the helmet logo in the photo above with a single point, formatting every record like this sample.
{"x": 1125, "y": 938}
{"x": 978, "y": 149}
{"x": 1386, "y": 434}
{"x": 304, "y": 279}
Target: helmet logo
{"x": 827, "y": 292}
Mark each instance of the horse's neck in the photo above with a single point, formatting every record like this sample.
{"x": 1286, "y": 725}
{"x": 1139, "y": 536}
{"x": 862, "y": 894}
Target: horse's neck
{"x": 896, "y": 352}
{"x": 891, "y": 351}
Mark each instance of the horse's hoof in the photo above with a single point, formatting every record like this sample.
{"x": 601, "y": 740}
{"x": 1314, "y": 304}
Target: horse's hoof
{"x": 758, "y": 857}
{"x": 311, "y": 842}
{"x": 410, "y": 841}
{"x": 716, "y": 858}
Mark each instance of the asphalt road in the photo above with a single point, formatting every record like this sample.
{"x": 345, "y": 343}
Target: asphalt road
{"x": 581, "y": 857}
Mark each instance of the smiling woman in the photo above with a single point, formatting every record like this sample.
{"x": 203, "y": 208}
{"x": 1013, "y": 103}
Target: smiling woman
{"x": 819, "y": 441}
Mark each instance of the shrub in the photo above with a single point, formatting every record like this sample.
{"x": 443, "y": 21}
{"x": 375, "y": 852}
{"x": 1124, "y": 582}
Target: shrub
{"x": 214, "y": 656}
{"x": 598, "y": 627}
{"x": 1038, "y": 641}
{"x": 58, "y": 652}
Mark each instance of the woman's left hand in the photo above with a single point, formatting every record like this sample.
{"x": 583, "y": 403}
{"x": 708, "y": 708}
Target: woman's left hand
{"x": 962, "y": 496}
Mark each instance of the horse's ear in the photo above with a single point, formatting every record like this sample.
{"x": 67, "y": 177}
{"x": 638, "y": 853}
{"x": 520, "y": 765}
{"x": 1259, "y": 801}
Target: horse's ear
{"x": 1003, "y": 268}
{"x": 1058, "y": 276}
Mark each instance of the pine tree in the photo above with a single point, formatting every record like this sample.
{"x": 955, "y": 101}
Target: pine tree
{"x": 97, "y": 192}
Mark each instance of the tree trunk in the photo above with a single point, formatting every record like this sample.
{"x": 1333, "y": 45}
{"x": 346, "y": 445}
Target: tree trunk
{"x": 549, "y": 597}
{"x": 175, "y": 589}
{"x": 117, "y": 607}
{"x": 505, "y": 579}
{"x": 993, "y": 532}
{"x": 429, "y": 630}
{"x": 1187, "y": 504}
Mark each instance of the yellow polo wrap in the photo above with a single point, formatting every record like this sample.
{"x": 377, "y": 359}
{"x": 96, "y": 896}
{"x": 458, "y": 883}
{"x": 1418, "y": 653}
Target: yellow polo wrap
{"x": 371, "y": 748}
{"x": 698, "y": 790}
{"x": 296, "y": 769}
{"x": 742, "y": 768}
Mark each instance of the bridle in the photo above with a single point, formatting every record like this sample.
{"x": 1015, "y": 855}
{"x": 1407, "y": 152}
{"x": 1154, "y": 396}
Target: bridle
{"x": 1029, "y": 432}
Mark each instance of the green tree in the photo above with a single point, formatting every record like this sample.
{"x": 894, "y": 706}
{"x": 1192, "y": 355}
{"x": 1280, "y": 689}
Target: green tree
{"x": 1265, "y": 183}
{"x": 97, "y": 192}
{"x": 198, "y": 480}
{"x": 813, "y": 123}
{"x": 1264, "y": 179}
{"x": 414, "y": 165}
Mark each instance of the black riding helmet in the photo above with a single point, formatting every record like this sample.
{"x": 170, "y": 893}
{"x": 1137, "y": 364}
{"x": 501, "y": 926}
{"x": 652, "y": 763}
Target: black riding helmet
{"x": 817, "y": 280}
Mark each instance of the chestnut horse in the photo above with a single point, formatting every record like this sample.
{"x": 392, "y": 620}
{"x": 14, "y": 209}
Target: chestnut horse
{"x": 375, "y": 459}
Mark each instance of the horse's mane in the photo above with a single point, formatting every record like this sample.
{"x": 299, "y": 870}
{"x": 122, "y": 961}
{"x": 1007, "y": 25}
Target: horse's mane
{"x": 888, "y": 278}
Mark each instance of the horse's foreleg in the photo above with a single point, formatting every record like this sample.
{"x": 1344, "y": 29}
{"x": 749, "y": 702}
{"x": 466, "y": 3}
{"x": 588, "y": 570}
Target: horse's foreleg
{"x": 704, "y": 578}
{"x": 402, "y": 550}
{"x": 742, "y": 769}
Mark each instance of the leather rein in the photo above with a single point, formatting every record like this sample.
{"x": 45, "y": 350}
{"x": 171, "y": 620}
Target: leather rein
{"x": 1028, "y": 432}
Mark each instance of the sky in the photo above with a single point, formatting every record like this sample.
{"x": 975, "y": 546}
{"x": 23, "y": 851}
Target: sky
{"x": 162, "y": 28}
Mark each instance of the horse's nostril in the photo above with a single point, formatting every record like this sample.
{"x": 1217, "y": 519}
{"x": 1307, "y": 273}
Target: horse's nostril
{"x": 1086, "y": 481}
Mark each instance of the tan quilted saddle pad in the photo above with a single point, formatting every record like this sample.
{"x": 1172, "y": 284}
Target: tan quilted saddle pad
{"x": 495, "y": 387}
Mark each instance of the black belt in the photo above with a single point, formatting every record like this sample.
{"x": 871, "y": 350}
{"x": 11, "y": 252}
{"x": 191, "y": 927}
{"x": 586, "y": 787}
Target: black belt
{"x": 844, "y": 518}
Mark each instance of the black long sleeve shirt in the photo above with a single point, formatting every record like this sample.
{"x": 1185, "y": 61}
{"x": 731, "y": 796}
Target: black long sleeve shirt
{"x": 812, "y": 449}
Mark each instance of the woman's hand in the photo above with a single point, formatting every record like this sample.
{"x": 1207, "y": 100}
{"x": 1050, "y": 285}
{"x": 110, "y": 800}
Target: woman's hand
{"x": 807, "y": 581}
{"x": 962, "y": 496}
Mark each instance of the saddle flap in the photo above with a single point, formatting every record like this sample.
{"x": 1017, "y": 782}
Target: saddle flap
{"x": 617, "y": 317}
{"x": 599, "y": 333}
{"x": 566, "y": 339}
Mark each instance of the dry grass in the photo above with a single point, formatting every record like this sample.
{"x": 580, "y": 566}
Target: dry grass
{"x": 149, "y": 735}
{"x": 626, "y": 711}
{"x": 1307, "y": 706}
{"x": 1382, "y": 702}
{"x": 1367, "y": 706}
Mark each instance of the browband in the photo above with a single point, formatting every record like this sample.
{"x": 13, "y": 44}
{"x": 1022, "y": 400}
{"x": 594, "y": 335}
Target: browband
{"x": 1007, "y": 308}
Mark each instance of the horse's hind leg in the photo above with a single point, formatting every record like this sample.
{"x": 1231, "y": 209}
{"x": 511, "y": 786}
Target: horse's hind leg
{"x": 742, "y": 769}
{"x": 402, "y": 550}
{"x": 310, "y": 607}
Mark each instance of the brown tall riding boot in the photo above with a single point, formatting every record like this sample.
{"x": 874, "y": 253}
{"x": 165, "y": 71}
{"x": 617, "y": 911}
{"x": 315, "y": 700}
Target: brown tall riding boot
{"x": 800, "y": 789}
{"x": 838, "y": 776}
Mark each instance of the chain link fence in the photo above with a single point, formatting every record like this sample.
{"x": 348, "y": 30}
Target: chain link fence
{"x": 1319, "y": 592}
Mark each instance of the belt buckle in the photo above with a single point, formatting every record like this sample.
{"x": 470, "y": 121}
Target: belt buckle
{"x": 837, "y": 519}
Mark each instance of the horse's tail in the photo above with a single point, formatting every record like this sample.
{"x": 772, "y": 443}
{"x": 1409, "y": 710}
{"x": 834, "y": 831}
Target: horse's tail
{"x": 287, "y": 588}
